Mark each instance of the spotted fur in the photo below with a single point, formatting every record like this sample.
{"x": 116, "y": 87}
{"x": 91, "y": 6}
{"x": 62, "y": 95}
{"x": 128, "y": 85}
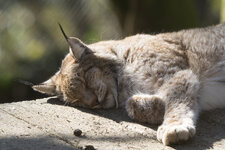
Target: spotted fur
{"x": 166, "y": 78}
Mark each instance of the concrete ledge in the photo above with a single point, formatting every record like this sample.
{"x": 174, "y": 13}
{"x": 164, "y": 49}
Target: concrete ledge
{"x": 48, "y": 124}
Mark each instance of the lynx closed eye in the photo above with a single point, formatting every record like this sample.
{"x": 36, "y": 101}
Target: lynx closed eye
{"x": 165, "y": 79}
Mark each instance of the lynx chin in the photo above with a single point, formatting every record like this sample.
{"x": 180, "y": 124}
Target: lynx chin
{"x": 165, "y": 79}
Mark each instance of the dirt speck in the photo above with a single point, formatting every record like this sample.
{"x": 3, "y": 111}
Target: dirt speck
{"x": 89, "y": 147}
{"x": 77, "y": 132}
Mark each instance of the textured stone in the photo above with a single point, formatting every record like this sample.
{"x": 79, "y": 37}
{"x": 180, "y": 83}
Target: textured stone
{"x": 49, "y": 124}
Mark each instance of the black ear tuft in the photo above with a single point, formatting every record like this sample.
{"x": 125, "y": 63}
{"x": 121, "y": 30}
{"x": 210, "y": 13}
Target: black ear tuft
{"x": 64, "y": 34}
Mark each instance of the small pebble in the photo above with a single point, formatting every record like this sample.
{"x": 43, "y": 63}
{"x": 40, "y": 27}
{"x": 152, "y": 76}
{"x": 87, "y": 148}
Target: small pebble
{"x": 80, "y": 148}
{"x": 77, "y": 132}
{"x": 89, "y": 147}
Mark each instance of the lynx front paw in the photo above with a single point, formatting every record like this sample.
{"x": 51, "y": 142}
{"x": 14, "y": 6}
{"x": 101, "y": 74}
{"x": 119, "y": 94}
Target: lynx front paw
{"x": 175, "y": 132}
{"x": 146, "y": 108}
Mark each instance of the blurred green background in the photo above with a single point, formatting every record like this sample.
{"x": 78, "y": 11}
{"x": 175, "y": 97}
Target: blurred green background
{"x": 32, "y": 46}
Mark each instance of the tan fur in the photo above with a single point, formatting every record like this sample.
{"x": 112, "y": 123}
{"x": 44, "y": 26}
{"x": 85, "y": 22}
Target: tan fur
{"x": 159, "y": 78}
{"x": 138, "y": 108}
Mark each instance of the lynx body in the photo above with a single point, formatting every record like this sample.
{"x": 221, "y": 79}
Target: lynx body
{"x": 162, "y": 79}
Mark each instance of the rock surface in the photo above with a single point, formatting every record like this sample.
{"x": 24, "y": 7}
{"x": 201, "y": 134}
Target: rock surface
{"x": 49, "y": 124}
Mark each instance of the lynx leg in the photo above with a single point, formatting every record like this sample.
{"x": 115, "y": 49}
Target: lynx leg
{"x": 181, "y": 110}
{"x": 146, "y": 108}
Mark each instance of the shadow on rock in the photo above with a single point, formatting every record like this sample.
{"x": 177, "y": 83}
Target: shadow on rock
{"x": 210, "y": 129}
{"x": 34, "y": 143}
{"x": 116, "y": 115}
{"x": 210, "y": 126}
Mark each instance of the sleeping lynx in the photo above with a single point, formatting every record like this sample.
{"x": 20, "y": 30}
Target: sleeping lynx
{"x": 166, "y": 78}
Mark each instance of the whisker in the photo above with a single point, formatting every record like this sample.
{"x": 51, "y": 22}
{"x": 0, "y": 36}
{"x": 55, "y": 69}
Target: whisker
{"x": 74, "y": 101}
{"x": 66, "y": 103}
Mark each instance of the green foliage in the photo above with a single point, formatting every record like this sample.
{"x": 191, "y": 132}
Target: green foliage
{"x": 32, "y": 46}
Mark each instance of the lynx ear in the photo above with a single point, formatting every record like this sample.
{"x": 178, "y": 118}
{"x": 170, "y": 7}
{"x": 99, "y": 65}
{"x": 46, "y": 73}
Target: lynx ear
{"x": 77, "y": 47}
{"x": 46, "y": 87}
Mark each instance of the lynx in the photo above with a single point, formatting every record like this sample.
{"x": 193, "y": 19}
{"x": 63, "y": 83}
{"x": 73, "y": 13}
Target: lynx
{"x": 166, "y": 79}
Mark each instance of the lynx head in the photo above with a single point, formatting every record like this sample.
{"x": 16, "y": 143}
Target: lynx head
{"x": 84, "y": 79}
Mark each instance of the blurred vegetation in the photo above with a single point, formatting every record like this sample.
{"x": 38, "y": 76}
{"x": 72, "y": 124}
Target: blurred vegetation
{"x": 32, "y": 46}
